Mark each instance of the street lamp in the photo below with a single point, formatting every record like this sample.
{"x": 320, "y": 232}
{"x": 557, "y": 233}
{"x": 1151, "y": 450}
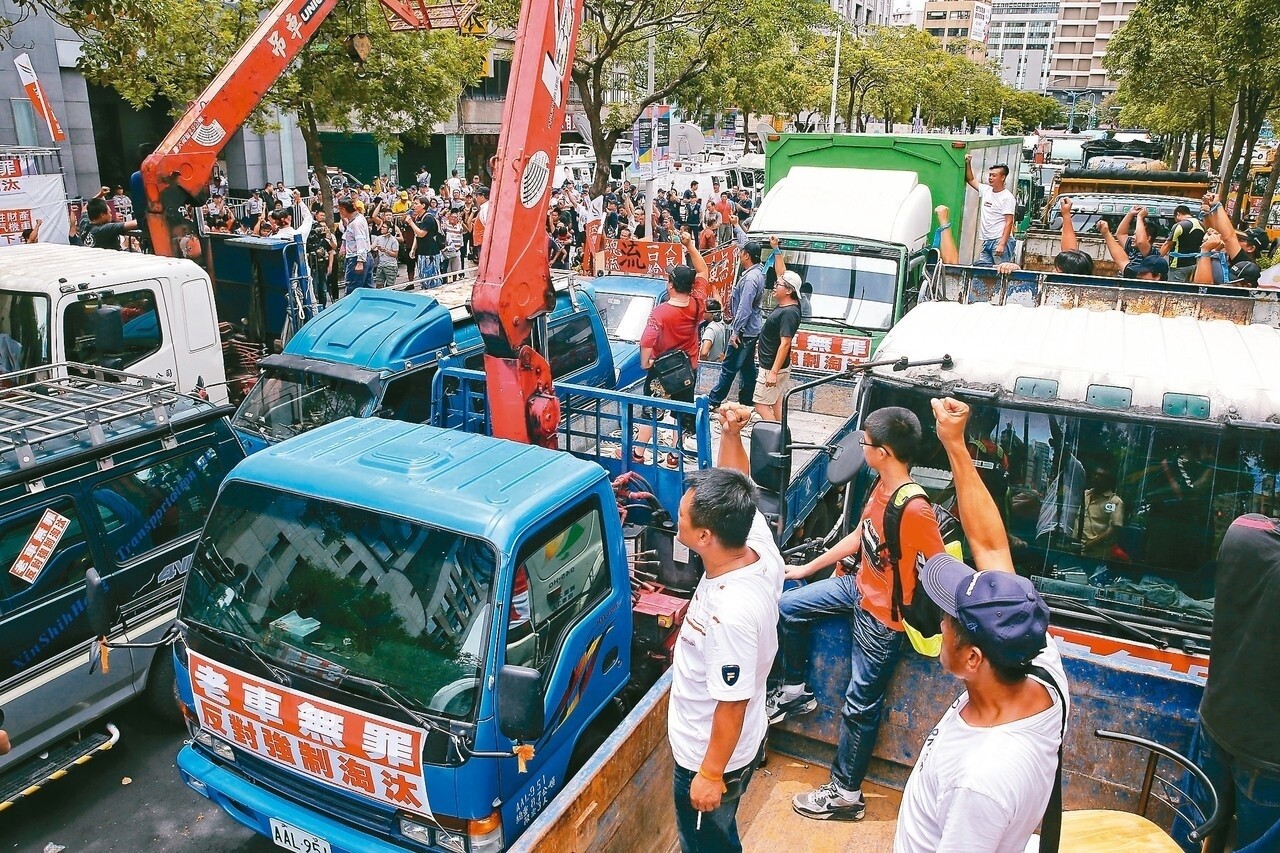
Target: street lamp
{"x": 1074, "y": 94}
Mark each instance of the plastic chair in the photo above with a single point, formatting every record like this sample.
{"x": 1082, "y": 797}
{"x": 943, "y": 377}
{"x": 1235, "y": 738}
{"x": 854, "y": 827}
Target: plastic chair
{"x": 1190, "y": 795}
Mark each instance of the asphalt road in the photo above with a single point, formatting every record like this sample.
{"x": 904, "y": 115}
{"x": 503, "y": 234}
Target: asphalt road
{"x": 90, "y": 809}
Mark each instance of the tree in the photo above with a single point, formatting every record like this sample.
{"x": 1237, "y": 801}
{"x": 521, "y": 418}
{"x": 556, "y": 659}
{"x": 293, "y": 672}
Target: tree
{"x": 409, "y": 81}
{"x": 1177, "y": 62}
{"x": 746, "y": 49}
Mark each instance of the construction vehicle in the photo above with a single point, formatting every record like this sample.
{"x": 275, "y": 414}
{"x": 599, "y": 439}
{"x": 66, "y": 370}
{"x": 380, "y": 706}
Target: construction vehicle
{"x": 472, "y": 600}
{"x": 374, "y": 354}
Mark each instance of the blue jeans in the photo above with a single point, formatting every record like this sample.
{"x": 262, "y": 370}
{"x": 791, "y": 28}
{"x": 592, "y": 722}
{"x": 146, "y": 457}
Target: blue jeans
{"x": 737, "y": 359}
{"x": 428, "y": 267}
{"x": 989, "y": 258}
{"x": 353, "y": 280}
{"x": 875, "y": 651}
{"x": 1253, "y": 796}
{"x": 719, "y": 831}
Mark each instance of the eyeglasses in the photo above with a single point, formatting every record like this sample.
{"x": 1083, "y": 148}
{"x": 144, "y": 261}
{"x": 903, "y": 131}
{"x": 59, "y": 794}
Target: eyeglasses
{"x": 868, "y": 443}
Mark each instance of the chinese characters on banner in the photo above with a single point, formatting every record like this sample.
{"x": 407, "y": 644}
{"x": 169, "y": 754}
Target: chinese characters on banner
{"x": 35, "y": 554}
{"x": 26, "y": 199}
{"x": 834, "y": 353}
{"x": 720, "y": 270}
{"x": 351, "y": 750}
{"x": 639, "y": 257}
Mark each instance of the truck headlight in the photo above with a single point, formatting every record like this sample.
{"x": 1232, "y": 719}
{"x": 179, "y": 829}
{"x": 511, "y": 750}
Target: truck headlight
{"x": 415, "y": 831}
{"x": 217, "y": 746}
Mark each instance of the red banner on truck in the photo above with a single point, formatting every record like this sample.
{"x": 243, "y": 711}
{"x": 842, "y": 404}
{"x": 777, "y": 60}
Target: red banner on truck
{"x": 354, "y": 751}
{"x": 833, "y": 353}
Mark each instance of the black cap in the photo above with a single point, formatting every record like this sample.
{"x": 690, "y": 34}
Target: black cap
{"x": 752, "y": 248}
{"x": 1246, "y": 271}
{"x": 1258, "y": 237}
{"x": 682, "y": 277}
{"x": 482, "y": 190}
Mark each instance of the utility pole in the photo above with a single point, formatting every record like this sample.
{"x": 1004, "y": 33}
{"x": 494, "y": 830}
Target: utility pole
{"x": 835, "y": 82}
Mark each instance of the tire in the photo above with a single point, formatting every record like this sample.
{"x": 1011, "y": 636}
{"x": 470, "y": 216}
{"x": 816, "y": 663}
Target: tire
{"x": 162, "y": 688}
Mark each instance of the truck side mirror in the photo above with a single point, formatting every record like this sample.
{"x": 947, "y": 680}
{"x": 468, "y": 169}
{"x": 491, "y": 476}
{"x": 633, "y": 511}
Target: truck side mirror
{"x": 847, "y": 459}
{"x": 98, "y": 604}
{"x": 520, "y": 703}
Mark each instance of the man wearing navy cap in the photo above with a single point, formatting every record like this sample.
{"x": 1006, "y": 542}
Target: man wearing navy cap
{"x": 986, "y": 771}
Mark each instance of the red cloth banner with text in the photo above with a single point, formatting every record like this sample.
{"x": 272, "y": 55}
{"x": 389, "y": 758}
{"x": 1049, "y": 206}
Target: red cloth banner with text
{"x": 35, "y": 93}
{"x": 834, "y": 353}
{"x": 638, "y": 257}
{"x": 354, "y": 751}
{"x": 27, "y": 199}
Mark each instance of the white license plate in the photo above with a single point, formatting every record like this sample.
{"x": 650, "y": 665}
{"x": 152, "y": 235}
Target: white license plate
{"x": 292, "y": 838}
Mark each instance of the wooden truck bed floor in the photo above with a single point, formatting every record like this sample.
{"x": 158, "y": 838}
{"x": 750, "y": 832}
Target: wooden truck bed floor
{"x": 767, "y": 822}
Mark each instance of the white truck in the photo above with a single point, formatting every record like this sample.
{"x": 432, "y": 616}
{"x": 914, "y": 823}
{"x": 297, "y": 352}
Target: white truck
{"x": 149, "y": 315}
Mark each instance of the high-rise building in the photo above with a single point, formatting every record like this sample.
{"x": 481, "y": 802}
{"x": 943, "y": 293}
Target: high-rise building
{"x": 907, "y": 16}
{"x": 864, "y": 13}
{"x": 1021, "y": 40}
{"x": 1080, "y": 43}
{"x": 953, "y": 20}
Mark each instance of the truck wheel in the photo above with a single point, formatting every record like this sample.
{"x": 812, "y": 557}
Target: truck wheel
{"x": 162, "y": 688}
{"x": 592, "y": 737}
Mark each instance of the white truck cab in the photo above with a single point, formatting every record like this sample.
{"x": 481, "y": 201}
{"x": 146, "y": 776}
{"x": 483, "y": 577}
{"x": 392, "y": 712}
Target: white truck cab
{"x": 121, "y": 310}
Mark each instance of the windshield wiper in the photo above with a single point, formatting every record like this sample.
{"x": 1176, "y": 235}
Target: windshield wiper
{"x": 423, "y": 717}
{"x": 1134, "y": 631}
{"x": 245, "y": 643}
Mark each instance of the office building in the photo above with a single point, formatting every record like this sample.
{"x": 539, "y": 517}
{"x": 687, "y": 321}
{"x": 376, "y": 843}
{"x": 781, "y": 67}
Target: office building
{"x": 1084, "y": 27}
{"x": 956, "y": 20}
{"x": 1020, "y": 41}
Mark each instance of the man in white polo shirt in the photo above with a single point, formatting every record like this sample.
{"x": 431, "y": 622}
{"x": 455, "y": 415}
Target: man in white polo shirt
{"x": 995, "y": 216}
{"x": 717, "y": 722}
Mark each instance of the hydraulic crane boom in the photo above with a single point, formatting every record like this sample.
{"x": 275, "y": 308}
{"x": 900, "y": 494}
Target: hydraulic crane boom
{"x": 514, "y": 284}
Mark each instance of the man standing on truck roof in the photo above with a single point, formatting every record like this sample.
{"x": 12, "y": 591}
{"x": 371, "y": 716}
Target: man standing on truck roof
{"x": 890, "y": 439}
{"x": 102, "y": 232}
{"x": 1068, "y": 260}
{"x": 745, "y": 322}
{"x": 987, "y": 770}
{"x": 1184, "y": 239}
{"x": 716, "y": 720}
{"x": 995, "y": 217}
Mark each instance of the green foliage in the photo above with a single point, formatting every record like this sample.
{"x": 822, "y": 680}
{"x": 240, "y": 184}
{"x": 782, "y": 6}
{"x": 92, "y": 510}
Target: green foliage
{"x": 410, "y": 82}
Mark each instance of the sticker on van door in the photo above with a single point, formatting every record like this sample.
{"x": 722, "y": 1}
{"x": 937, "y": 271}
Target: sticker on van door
{"x": 40, "y": 546}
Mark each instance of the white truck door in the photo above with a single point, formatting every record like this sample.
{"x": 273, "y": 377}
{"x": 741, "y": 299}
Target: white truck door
{"x": 201, "y": 363}
{"x": 122, "y": 327}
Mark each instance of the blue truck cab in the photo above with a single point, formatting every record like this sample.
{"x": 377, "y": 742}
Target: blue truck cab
{"x": 462, "y": 595}
{"x": 374, "y": 353}
{"x": 624, "y": 303}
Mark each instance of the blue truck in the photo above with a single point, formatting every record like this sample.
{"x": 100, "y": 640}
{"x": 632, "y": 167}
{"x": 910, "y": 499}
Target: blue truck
{"x": 376, "y": 352}
{"x": 385, "y": 620}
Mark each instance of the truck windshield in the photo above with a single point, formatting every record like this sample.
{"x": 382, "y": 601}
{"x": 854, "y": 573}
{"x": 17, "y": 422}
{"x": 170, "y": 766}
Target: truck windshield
{"x": 24, "y": 330}
{"x": 624, "y": 314}
{"x": 332, "y": 590}
{"x": 856, "y": 290}
{"x": 286, "y": 403}
{"x": 1117, "y": 515}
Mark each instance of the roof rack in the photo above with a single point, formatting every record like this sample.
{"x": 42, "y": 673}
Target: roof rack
{"x": 1239, "y": 305}
{"x": 77, "y": 402}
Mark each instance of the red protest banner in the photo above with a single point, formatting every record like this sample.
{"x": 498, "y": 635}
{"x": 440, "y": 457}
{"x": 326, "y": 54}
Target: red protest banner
{"x": 349, "y": 749}
{"x": 834, "y": 353}
{"x": 720, "y": 269}
{"x": 638, "y": 257}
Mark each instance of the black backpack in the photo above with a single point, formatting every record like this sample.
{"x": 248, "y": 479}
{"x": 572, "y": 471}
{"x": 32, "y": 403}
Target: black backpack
{"x": 922, "y": 619}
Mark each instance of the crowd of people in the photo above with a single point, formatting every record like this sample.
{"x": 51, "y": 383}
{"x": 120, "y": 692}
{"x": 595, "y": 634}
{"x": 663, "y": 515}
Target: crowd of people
{"x": 1204, "y": 250}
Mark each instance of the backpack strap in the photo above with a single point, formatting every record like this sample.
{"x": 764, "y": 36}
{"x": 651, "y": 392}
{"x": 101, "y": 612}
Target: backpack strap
{"x": 892, "y": 527}
{"x": 1051, "y": 823}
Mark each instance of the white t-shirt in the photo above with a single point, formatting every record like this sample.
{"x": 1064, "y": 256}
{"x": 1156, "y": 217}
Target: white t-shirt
{"x": 995, "y": 205}
{"x": 725, "y": 650}
{"x": 983, "y": 788}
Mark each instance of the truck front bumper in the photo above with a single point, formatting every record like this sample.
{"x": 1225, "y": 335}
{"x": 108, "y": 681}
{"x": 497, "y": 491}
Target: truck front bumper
{"x": 254, "y": 807}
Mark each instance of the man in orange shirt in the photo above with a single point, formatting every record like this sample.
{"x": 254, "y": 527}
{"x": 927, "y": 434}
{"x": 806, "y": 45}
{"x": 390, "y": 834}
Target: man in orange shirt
{"x": 890, "y": 440}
